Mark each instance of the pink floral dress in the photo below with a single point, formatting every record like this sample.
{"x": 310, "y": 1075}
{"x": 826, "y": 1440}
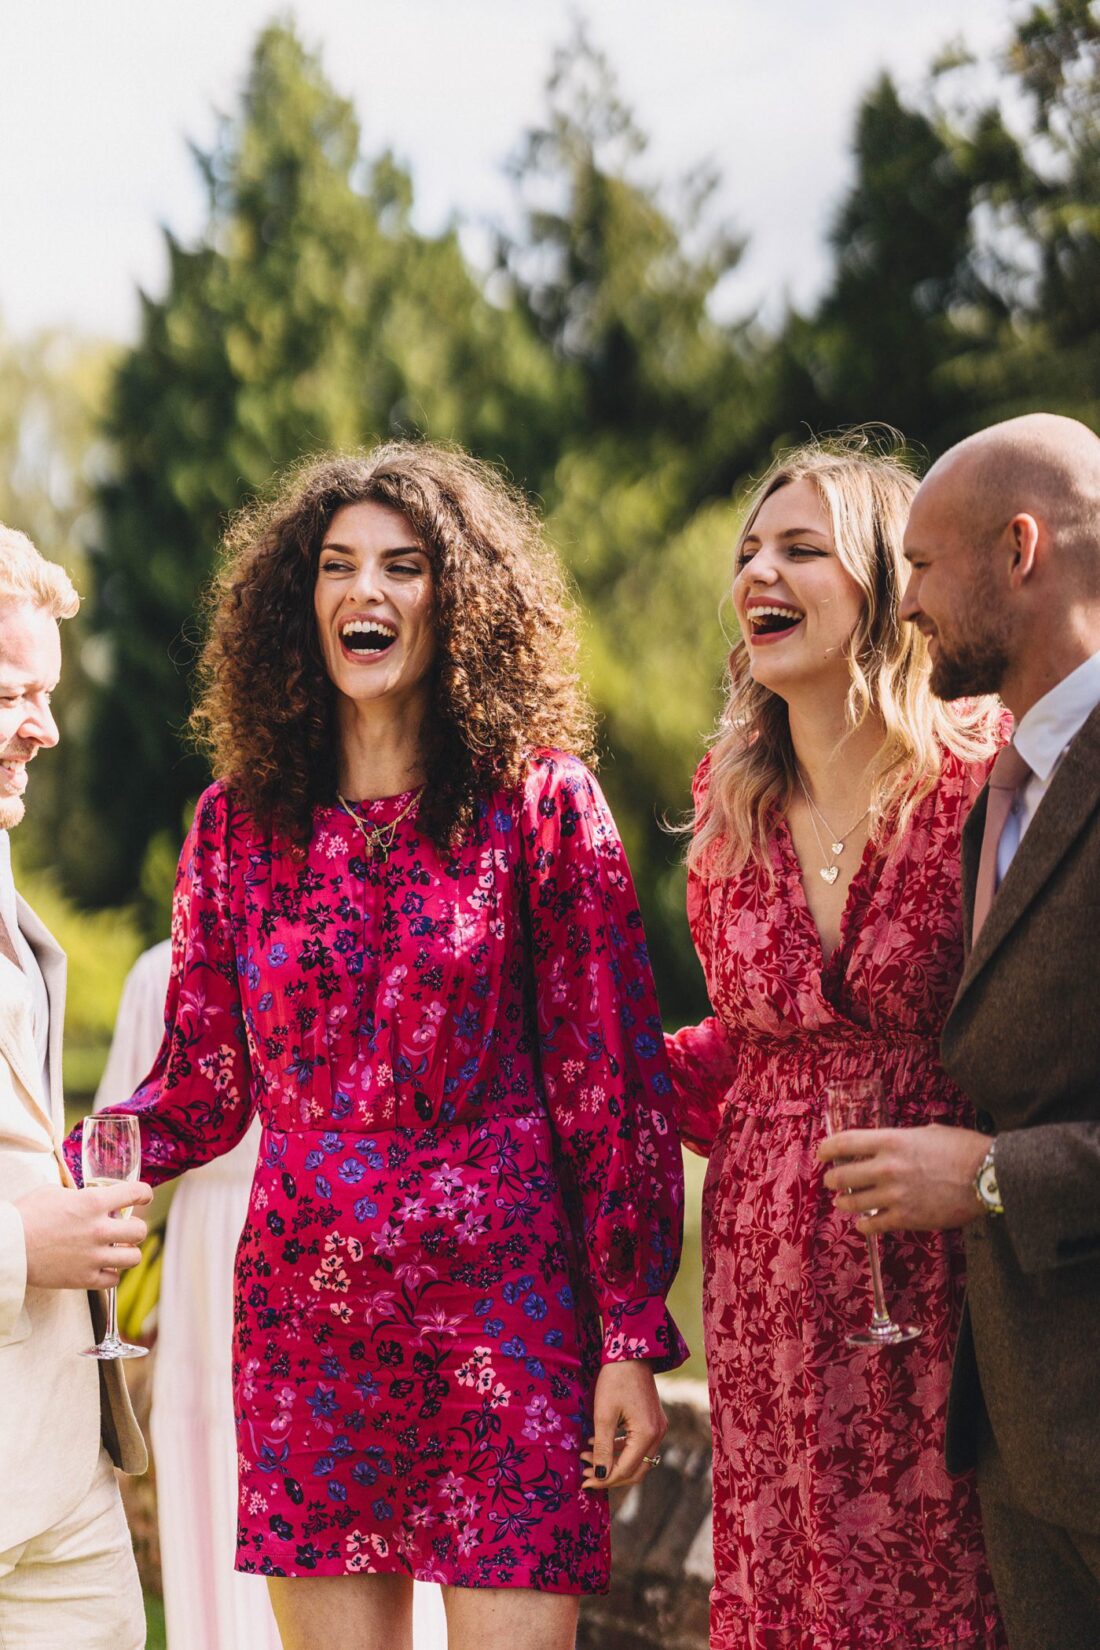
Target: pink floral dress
{"x": 836, "y": 1526}
{"x": 468, "y": 1191}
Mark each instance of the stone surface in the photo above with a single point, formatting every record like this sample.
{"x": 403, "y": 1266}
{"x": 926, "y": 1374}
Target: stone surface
{"x": 662, "y": 1569}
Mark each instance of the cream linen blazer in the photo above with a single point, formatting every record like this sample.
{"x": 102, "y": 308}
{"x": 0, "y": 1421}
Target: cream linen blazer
{"x": 55, "y": 1407}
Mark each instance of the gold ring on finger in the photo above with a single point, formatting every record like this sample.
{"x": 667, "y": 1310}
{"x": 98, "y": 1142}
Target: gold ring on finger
{"x": 652, "y": 1460}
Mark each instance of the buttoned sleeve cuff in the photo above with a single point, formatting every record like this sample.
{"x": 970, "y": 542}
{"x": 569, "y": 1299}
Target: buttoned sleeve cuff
{"x": 13, "y": 1267}
{"x": 1049, "y": 1181}
{"x": 643, "y": 1328}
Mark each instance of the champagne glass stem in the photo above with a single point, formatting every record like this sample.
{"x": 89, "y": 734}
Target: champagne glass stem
{"x": 880, "y": 1317}
{"x": 111, "y": 1337}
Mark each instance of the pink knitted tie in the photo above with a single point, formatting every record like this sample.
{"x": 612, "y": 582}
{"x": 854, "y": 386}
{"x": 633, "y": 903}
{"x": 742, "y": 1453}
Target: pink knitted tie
{"x": 1008, "y": 774}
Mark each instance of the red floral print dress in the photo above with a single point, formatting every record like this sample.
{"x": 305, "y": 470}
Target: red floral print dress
{"x": 469, "y": 1188}
{"x": 836, "y": 1526}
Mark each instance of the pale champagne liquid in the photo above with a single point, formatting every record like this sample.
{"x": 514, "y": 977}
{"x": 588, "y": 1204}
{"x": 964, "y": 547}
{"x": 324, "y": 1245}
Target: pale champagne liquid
{"x": 110, "y": 1180}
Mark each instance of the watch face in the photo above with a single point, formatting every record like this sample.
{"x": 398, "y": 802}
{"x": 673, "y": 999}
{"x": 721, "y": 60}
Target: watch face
{"x": 988, "y": 1190}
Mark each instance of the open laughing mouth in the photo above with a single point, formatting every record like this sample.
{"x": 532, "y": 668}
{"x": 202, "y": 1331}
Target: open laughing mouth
{"x": 13, "y": 774}
{"x": 771, "y": 623}
{"x": 366, "y": 638}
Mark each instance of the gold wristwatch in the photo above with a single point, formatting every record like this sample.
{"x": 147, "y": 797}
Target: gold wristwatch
{"x": 986, "y": 1189}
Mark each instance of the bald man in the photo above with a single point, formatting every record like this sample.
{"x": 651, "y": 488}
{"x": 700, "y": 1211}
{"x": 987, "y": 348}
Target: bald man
{"x": 1004, "y": 546}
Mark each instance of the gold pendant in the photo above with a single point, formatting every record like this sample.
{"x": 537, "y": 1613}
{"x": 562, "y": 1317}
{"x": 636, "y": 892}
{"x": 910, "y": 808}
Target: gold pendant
{"x": 837, "y": 847}
{"x": 830, "y": 873}
{"x": 380, "y": 844}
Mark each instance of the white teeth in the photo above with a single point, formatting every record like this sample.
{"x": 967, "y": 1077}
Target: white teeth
{"x": 775, "y": 612}
{"x": 367, "y": 627}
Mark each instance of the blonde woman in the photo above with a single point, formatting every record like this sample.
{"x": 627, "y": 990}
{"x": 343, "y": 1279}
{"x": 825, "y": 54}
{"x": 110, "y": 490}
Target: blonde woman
{"x": 823, "y": 901}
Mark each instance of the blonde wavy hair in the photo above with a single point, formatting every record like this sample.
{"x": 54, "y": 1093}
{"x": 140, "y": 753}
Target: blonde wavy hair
{"x": 866, "y": 489}
{"x": 26, "y": 576}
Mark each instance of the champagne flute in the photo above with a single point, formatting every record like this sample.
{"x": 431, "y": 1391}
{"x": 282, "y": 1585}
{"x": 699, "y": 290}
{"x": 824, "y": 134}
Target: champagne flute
{"x": 110, "y": 1152}
{"x": 859, "y": 1103}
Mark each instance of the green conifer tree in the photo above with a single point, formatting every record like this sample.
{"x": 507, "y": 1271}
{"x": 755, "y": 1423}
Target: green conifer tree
{"x": 309, "y": 316}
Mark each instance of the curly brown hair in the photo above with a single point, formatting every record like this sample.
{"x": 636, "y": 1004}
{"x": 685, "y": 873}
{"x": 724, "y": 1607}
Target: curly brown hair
{"x": 504, "y": 679}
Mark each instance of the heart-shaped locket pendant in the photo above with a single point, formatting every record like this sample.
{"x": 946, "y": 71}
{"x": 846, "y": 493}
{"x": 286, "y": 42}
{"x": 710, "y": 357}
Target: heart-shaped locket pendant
{"x": 830, "y": 873}
{"x": 837, "y": 847}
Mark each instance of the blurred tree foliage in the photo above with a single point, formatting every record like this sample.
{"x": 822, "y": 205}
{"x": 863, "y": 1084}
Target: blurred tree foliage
{"x": 313, "y": 315}
{"x": 616, "y": 283}
{"x": 967, "y": 252}
{"x": 310, "y": 316}
{"x": 1039, "y": 185}
{"x": 52, "y": 391}
{"x": 590, "y": 361}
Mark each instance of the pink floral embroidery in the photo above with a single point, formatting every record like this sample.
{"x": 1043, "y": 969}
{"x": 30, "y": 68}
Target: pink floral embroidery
{"x": 831, "y": 1503}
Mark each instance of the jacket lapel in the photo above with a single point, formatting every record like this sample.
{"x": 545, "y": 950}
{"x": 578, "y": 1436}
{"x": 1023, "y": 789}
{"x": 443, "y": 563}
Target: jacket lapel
{"x": 1069, "y": 803}
{"x": 51, "y": 960}
{"x": 17, "y": 1045}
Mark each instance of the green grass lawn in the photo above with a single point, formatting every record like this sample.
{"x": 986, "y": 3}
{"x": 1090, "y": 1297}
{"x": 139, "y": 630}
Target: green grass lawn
{"x": 154, "y": 1619}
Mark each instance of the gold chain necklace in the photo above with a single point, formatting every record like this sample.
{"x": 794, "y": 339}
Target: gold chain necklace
{"x": 379, "y": 839}
{"x": 828, "y": 873}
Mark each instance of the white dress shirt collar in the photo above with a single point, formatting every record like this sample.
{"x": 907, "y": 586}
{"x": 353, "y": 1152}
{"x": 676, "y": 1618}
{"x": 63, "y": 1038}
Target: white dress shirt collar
{"x": 1053, "y": 721}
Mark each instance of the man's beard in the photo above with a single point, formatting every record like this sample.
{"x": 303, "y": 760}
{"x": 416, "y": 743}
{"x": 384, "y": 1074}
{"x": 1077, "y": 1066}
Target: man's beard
{"x": 973, "y": 667}
{"x": 12, "y": 809}
{"x": 978, "y": 661}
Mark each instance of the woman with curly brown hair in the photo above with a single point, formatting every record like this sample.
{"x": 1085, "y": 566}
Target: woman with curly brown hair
{"x": 405, "y": 934}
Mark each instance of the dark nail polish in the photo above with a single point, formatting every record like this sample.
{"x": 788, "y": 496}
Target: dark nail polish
{"x": 600, "y": 1472}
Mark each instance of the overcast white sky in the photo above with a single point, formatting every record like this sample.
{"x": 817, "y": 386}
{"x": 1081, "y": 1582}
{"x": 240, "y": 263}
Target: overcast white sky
{"x": 100, "y": 97}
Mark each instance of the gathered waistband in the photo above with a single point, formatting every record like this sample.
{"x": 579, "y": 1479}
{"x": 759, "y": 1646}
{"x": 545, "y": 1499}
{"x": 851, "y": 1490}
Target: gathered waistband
{"x": 787, "y": 1077}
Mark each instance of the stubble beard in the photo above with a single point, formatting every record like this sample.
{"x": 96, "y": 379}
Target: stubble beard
{"x": 12, "y": 809}
{"x": 977, "y": 662}
{"x": 974, "y": 667}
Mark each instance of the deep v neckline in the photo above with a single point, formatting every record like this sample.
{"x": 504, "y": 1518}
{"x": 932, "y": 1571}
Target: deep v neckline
{"x": 802, "y": 904}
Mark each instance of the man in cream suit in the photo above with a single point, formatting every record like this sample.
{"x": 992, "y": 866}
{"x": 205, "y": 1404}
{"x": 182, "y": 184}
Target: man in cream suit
{"x": 67, "y": 1573}
{"x": 1004, "y": 545}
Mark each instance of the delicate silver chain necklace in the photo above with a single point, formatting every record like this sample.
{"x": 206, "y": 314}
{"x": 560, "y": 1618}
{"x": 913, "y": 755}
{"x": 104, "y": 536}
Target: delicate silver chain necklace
{"x": 379, "y": 839}
{"x": 828, "y": 873}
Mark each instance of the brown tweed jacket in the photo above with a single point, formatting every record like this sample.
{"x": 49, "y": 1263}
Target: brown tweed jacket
{"x": 1023, "y": 1040}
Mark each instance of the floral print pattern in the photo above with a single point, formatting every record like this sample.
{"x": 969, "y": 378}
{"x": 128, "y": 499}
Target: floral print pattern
{"x": 468, "y": 1190}
{"x": 836, "y": 1526}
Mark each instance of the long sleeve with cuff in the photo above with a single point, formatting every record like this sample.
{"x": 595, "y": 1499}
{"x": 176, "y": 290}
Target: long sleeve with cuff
{"x": 602, "y": 1058}
{"x": 197, "y": 1101}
